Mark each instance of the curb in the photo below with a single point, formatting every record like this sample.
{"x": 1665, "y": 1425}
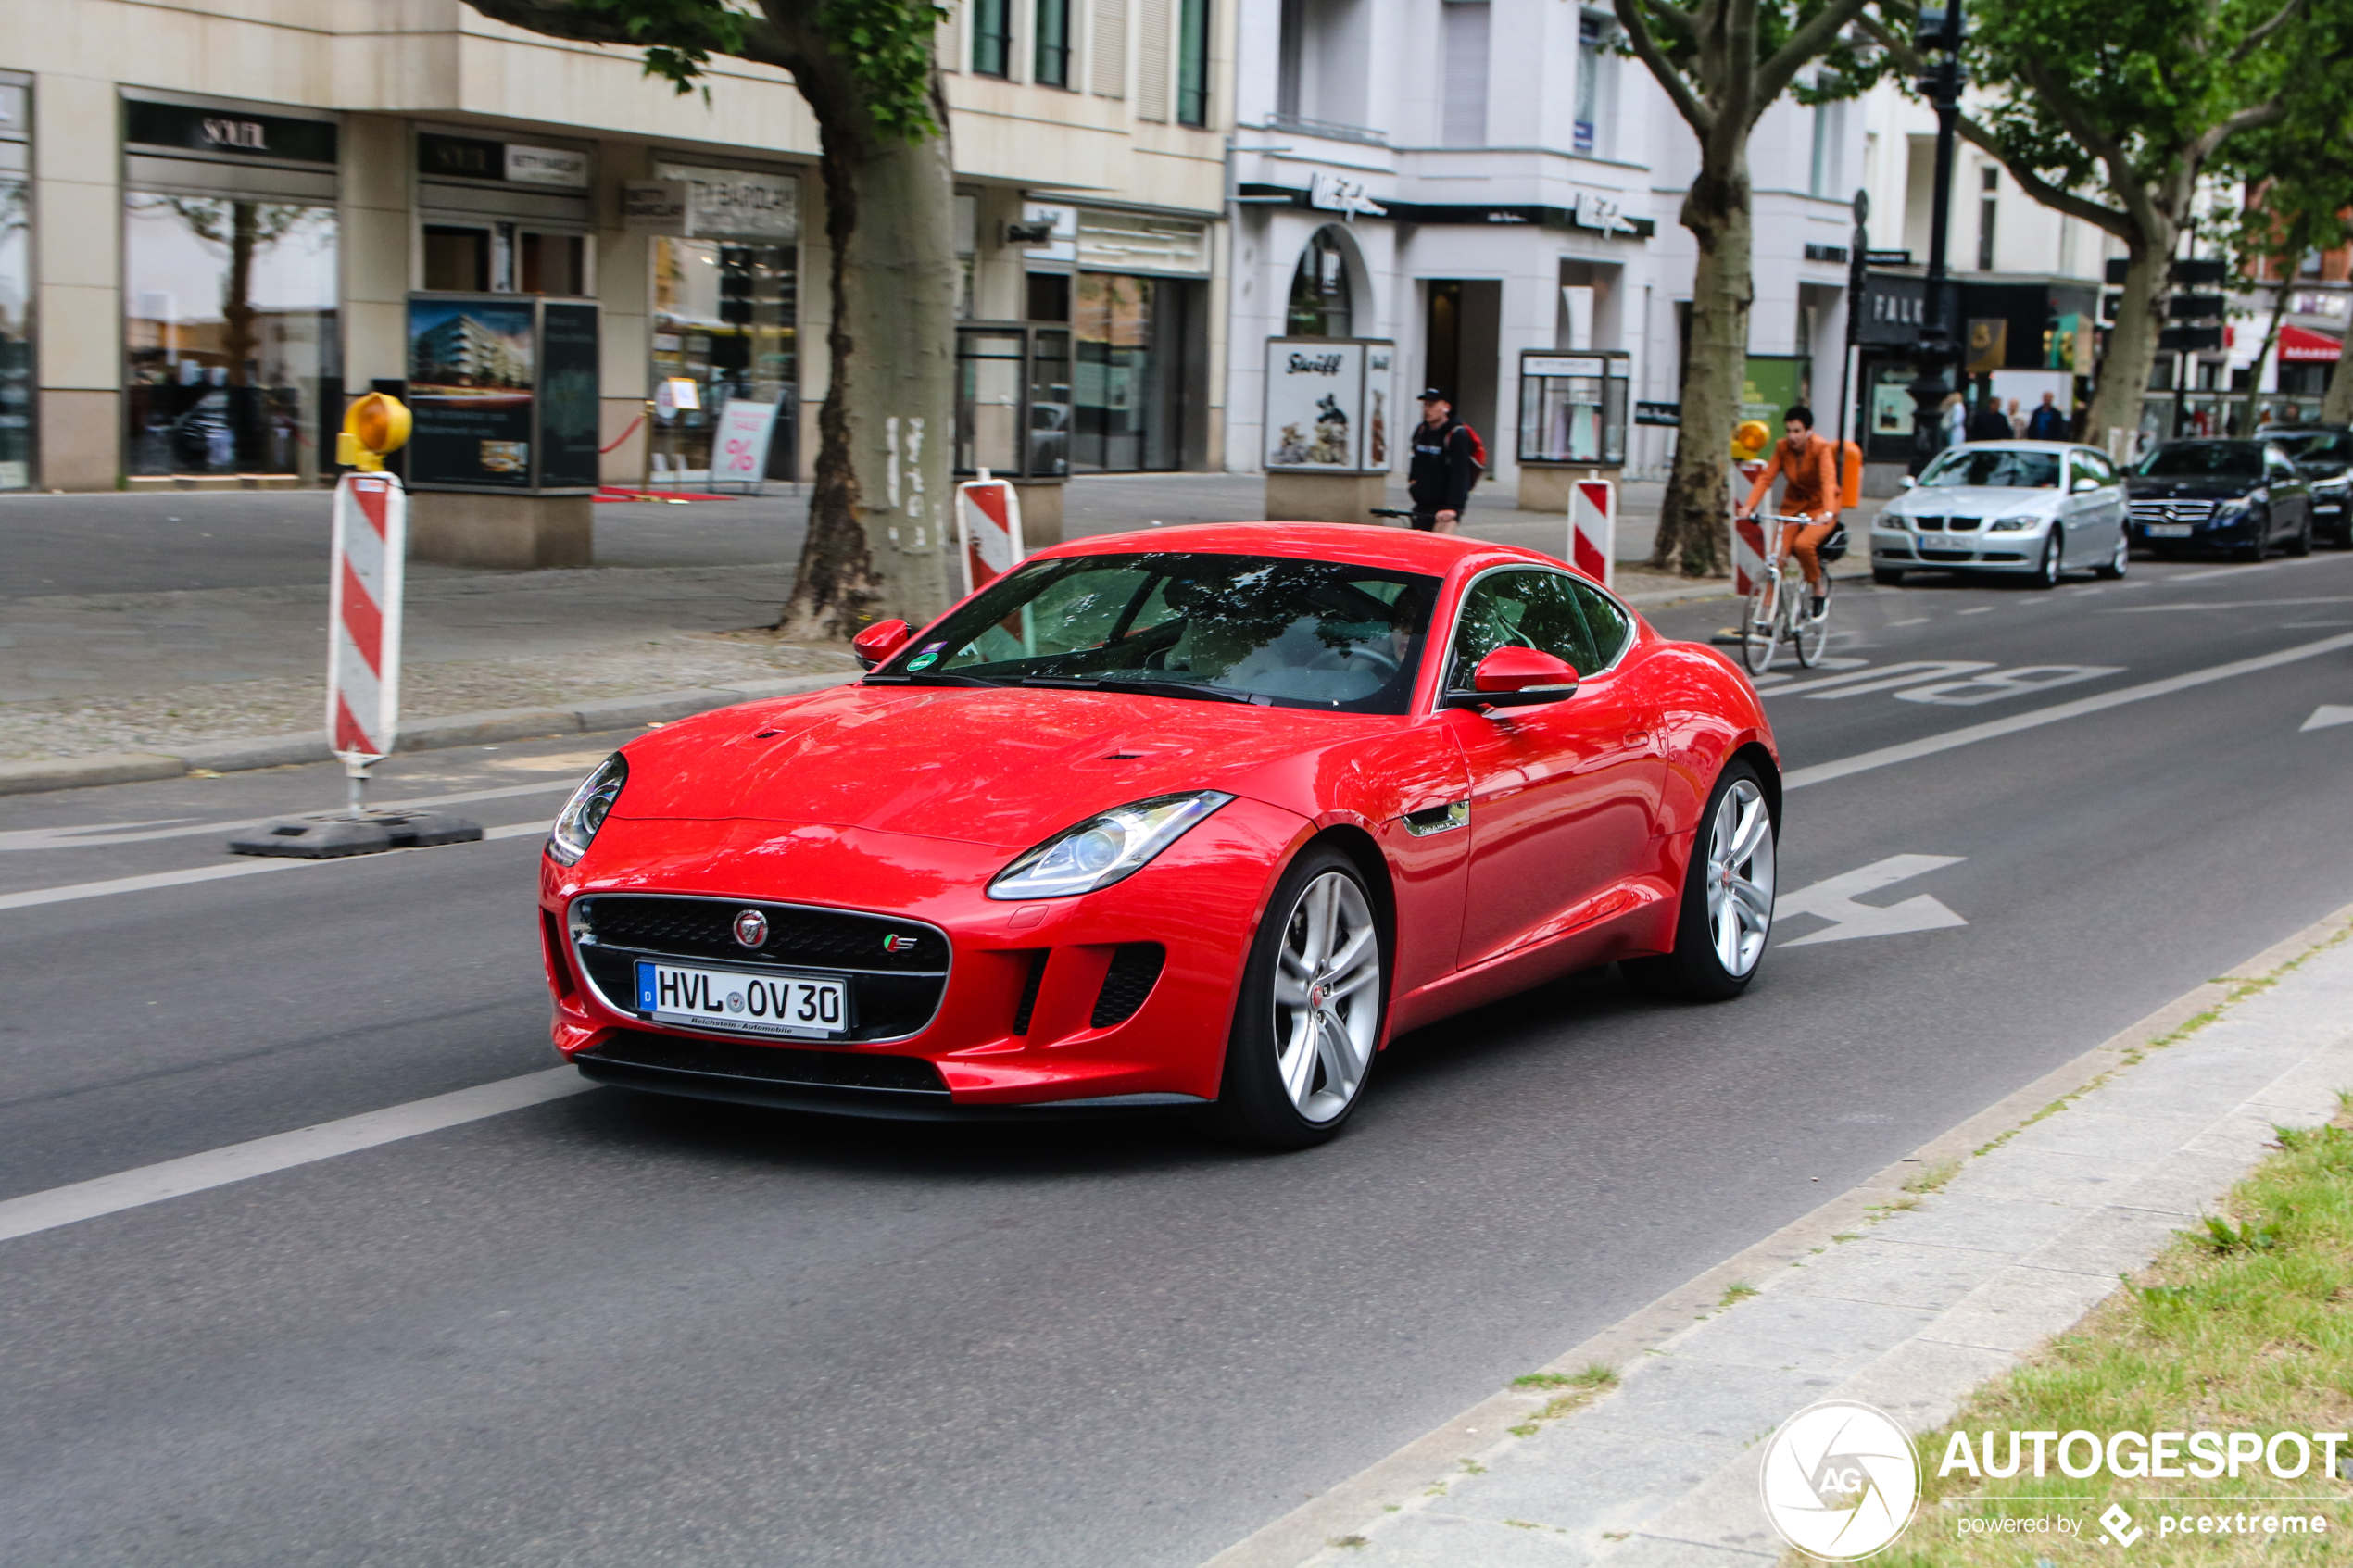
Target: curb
{"x": 425, "y": 734}
{"x": 1305, "y": 1533}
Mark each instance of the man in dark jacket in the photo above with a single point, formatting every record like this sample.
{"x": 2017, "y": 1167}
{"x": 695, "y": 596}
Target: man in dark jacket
{"x": 1443, "y": 470}
{"x": 2047, "y": 422}
{"x": 1988, "y": 423}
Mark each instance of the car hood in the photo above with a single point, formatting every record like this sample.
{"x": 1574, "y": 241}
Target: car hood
{"x": 2221, "y": 487}
{"x": 1974, "y": 500}
{"x": 1004, "y": 767}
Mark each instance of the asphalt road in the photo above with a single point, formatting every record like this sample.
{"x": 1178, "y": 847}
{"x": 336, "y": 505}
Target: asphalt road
{"x": 621, "y": 1330}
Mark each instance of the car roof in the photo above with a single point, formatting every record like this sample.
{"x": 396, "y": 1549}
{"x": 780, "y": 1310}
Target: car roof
{"x": 2028, "y": 447}
{"x": 1399, "y": 549}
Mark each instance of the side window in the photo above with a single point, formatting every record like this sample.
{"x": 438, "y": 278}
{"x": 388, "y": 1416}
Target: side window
{"x": 1535, "y": 610}
{"x": 2098, "y": 467}
{"x": 1607, "y": 625}
{"x": 2276, "y": 465}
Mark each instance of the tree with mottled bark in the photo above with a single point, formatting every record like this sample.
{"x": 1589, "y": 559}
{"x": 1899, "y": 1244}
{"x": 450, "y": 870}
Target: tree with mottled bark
{"x": 2113, "y": 111}
{"x": 1721, "y": 63}
{"x": 880, "y": 512}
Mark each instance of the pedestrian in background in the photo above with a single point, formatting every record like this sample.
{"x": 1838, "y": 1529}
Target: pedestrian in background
{"x": 1444, "y": 466}
{"x": 2046, "y": 423}
{"x": 1987, "y": 423}
{"x": 1955, "y": 420}
{"x": 2017, "y": 422}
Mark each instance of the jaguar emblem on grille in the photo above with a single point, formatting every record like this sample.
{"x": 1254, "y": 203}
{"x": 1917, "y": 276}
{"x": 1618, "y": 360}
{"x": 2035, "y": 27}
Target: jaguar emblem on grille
{"x": 752, "y": 928}
{"x": 894, "y": 944}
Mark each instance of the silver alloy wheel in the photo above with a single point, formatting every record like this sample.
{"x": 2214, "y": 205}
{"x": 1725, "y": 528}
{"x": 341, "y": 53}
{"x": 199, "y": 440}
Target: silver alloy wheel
{"x": 1740, "y": 877}
{"x": 1327, "y": 997}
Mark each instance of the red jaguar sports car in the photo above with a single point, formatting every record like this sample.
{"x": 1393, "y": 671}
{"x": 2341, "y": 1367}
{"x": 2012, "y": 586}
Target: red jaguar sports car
{"x": 1197, "y": 816}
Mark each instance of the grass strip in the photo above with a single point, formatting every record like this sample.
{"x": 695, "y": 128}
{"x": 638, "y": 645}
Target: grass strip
{"x": 2245, "y": 1324}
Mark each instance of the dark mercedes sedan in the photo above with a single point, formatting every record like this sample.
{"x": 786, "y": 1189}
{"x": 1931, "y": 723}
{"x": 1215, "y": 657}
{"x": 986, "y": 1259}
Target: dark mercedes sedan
{"x": 2244, "y": 497}
{"x": 2324, "y": 453}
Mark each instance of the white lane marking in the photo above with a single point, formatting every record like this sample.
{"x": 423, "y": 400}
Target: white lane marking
{"x": 2006, "y": 682}
{"x": 1834, "y": 900}
{"x": 2243, "y": 570}
{"x": 1888, "y": 756}
{"x": 2228, "y": 604}
{"x": 133, "y": 833}
{"x": 245, "y": 867}
{"x": 241, "y": 1161}
{"x": 1980, "y": 610}
{"x": 2326, "y": 716}
{"x": 1915, "y": 620}
{"x": 1884, "y": 678}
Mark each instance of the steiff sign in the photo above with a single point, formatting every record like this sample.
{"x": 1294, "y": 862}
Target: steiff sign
{"x": 1329, "y": 405}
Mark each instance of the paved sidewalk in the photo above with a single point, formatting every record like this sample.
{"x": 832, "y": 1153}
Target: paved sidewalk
{"x": 1903, "y": 1301}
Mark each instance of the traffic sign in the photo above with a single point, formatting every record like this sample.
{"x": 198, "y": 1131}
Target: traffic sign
{"x": 988, "y": 519}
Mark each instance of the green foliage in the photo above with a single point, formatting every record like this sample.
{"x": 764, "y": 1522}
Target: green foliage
{"x": 888, "y": 44}
{"x": 679, "y": 36}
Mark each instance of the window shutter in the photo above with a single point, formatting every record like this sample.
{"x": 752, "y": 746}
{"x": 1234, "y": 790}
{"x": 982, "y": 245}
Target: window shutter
{"x": 1151, "y": 59}
{"x": 1107, "y": 66}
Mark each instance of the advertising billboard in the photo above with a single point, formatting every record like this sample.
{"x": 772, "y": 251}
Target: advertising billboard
{"x": 1329, "y": 405}
{"x": 503, "y": 390}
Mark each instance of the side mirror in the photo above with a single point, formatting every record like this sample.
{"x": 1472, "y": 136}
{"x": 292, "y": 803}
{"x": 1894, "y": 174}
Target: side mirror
{"x": 878, "y": 642}
{"x": 1517, "y": 677}
{"x": 1907, "y": 482}
{"x": 2086, "y": 483}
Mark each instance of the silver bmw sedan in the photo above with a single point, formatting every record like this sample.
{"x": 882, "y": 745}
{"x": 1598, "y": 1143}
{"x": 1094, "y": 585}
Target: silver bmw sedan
{"x": 2030, "y": 508}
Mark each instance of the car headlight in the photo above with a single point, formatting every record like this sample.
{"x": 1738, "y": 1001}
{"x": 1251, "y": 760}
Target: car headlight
{"x": 577, "y": 823}
{"x": 2235, "y": 509}
{"x": 2011, "y": 525}
{"x": 1104, "y": 847}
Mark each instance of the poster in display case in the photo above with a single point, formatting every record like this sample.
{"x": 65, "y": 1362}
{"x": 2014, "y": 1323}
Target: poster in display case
{"x": 1330, "y": 405}
{"x": 503, "y": 391}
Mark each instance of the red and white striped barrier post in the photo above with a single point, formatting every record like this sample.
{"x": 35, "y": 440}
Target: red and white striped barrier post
{"x": 1592, "y": 527}
{"x": 988, "y": 519}
{"x": 368, "y": 573}
{"x": 1748, "y": 537}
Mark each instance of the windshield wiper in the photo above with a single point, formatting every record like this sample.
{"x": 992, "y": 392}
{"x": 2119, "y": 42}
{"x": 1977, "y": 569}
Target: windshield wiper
{"x": 943, "y": 679}
{"x": 1143, "y": 687}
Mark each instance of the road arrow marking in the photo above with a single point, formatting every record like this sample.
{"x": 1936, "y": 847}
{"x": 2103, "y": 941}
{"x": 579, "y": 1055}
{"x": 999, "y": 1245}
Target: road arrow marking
{"x": 2326, "y": 715}
{"x": 1834, "y": 900}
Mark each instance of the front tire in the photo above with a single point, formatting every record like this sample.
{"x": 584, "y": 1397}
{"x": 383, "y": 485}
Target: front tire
{"x": 1726, "y": 909}
{"x": 2301, "y": 545}
{"x": 2047, "y": 570}
{"x": 1309, "y": 1016}
{"x": 1813, "y": 630}
{"x": 2258, "y": 540}
{"x": 2117, "y": 563}
{"x": 1761, "y": 628}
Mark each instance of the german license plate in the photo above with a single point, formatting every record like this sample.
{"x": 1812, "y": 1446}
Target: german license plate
{"x": 1931, "y": 541}
{"x": 810, "y": 1007}
{"x": 2169, "y": 530}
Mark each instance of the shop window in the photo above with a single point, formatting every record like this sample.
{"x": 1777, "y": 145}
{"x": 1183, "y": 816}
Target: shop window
{"x": 1320, "y": 299}
{"x": 457, "y": 259}
{"x": 1051, "y": 69}
{"x": 230, "y": 334}
{"x": 992, "y": 37}
{"x": 725, "y": 318}
{"x": 1192, "y": 62}
{"x": 554, "y": 263}
{"x": 1049, "y": 296}
{"x": 16, "y": 333}
{"x": 505, "y": 259}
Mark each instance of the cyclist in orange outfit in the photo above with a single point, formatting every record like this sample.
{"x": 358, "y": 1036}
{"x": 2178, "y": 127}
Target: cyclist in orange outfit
{"x": 1811, "y": 468}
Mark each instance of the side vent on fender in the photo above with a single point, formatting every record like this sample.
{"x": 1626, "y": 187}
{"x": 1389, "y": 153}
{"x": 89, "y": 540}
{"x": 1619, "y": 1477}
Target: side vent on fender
{"x": 1134, "y": 970}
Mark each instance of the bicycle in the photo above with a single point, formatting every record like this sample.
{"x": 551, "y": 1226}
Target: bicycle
{"x": 1776, "y": 611}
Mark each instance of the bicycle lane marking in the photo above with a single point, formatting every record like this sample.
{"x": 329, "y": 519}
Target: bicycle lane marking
{"x": 1888, "y": 756}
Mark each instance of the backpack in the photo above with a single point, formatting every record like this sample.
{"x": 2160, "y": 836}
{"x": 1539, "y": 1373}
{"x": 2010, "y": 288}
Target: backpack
{"x": 1479, "y": 450}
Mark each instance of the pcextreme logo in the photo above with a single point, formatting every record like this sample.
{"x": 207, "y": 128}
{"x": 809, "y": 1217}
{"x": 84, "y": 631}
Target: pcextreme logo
{"x": 1840, "y": 1480}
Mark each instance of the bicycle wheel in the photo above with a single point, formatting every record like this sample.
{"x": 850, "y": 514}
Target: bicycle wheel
{"x": 1813, "y": 633}
{"x": 1761, "y": 626}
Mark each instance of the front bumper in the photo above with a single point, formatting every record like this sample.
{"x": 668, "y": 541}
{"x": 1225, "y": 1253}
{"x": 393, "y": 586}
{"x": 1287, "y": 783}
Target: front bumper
{"x": 1978, "y": 551}
{"x": 1118, "y": 998}
{"x": 2212, "y": 533}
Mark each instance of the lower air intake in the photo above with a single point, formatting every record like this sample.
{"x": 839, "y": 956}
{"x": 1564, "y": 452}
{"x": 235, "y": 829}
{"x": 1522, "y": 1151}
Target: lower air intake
{"x": 1134, "y": 970}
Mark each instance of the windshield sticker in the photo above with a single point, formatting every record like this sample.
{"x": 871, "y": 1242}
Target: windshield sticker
{"x": 929, "y": 656}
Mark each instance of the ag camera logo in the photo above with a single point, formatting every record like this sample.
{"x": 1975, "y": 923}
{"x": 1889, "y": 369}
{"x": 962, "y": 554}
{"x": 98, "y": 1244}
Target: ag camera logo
{"x": 1840, "y": 1480}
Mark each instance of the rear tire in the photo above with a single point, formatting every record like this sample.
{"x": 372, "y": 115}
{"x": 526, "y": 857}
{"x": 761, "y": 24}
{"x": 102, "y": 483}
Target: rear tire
{"x": 1813, "y": 630}
{"x": 1761, "y": 628}
{"x": 1308, "y": 1019}
{"x": 1720, "y": 940}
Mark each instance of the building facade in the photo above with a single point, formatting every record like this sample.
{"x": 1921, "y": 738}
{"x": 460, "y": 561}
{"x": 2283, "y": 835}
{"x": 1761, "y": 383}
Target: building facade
{"x": 1486, "y": 183}
{"x": 218, "y": 222}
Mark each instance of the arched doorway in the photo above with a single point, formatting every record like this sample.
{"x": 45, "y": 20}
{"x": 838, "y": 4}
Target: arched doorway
{"x": 1323, "y": 287}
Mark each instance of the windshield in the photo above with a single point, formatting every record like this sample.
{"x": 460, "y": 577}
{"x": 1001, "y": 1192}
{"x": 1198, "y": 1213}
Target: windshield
{"x": 2322, "y": 448}
{"x": 2193, "y": 459}
{"x": 1269, "y": 629}
{"x": 1993, "y": 467}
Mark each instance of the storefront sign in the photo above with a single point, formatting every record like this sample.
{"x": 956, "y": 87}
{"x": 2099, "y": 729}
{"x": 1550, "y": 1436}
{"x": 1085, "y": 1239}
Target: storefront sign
{"x": 1131, "y": 242}
{"x": 1337, "y": 193}
{"x": 1060, "y": 243}
{"x": 1669, "y": 414}
{"x": 546, "y": 165}
{"x": 1601, "y": 213}
{"x": 503, "y": 389}
{"x": 1328, "y": 405}
{"x": 232, "y": 133}
{"x": 654, "y": 206}
{"x": 734, "y": 204}
{"x": 739, "y": 446}
{"x": 1894, "y": 310}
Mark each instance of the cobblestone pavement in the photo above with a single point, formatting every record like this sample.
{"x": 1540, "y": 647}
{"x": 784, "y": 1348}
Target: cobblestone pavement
{"x": 141, "y": 622}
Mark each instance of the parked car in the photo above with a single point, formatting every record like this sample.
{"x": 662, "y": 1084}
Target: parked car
{"x": 1201, "y": 816}
{"x": 2030, "y": 508}
{"x": 2243, "y": 497}
{"x": 2323, "y": 454}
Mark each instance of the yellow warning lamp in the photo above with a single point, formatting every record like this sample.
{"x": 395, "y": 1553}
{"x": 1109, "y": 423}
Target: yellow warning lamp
{"x": 1750, "y": 439}
{"x": 372, "y": 426}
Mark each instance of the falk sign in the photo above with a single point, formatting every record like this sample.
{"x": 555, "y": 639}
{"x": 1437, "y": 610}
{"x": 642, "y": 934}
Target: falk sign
{"x": 1895, "y": 310}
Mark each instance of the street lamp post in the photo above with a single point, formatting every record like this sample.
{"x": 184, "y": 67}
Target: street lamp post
{"x": 1940, "y": 39}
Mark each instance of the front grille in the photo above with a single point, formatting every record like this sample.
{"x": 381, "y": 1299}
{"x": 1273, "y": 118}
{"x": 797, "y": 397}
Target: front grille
{"x": 770, "y": 1064}
{"x": 798, "y": 936}
{"x": 2172, "y": 511}
{"x": 893, "y": 992}
{"x": 1127, "y": 982}
{"x": 1961, "y": 524}
{"x": 1928, "y": 524}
